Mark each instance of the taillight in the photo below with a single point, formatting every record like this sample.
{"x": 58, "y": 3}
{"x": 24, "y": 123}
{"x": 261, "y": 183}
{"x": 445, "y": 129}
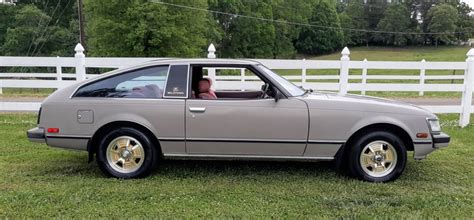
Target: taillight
{"x": 39, "y": 116}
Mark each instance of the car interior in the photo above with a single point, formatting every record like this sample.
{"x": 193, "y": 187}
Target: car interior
{"x": 202, "y": 88}
{"x": 147, "y": 91}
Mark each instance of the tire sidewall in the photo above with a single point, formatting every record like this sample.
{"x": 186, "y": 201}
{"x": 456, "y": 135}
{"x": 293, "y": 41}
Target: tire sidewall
{"x": 149, "y": 148}
{"x": 395, "y": 141}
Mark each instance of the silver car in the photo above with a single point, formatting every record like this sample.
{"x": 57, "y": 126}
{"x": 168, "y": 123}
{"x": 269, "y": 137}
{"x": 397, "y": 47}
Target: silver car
{"x": 132, "y": 118}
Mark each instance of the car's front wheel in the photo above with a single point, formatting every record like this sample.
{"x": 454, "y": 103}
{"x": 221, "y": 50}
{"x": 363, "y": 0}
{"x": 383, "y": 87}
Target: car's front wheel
{"x": 126, "y": 153}
{"x": 378, "y": 157}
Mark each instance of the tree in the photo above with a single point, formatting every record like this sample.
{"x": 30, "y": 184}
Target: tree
{"x": 286, "y": 34}
{"x": 144, "y": 28}
{"x": 246, "y": 37}
{"x": 62, "y": 12}
{"x": 354, "y": 17}
{"x": 325, "y": 35}
{"x": 374, "y": 10}
{"x": 442, "y": 19}
{"x": 396, "y": 19}
{"x": 465, "y": 23}
{"x": 32, "y": 35}
{"x": 7, "y": 15}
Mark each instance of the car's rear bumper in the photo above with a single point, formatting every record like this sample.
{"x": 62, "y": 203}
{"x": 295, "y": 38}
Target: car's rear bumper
{"x": 36, "y": 135}
{"x": 441, "y": 140}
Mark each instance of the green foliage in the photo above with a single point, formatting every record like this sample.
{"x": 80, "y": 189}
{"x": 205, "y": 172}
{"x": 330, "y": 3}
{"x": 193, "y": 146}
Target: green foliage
{"x": 244, "y": 37}
{"x": 31, "y": 34}
{"x": 465, "y": 23}
{"x": 60, "y": 11}
{"x": 147, "y": 28}
{"x": 144, "y": 28}
{"x": 374, "y": 11}
{"x": 354, "y": 17}
{"x": 7, "y": 14}
{"x": 316, "y": 40}
{"x": 396, "y": 19}
{"x": 442, "y": 19}
{"x": 285, "y": 35}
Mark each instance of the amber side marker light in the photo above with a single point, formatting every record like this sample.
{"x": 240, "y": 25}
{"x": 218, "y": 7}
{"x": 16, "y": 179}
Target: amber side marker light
{"x": 422, "y": 135}
{"x": 53, "y": 130}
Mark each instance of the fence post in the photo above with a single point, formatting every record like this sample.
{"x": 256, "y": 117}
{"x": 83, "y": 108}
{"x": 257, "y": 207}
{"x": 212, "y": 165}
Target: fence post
{"x": 242, "y": 79}
{"x": 303, "y": 75}
{"x": 467, "y": 90}
{"x": 344, "y": 72}
{"x": 422, "y": 78}
{"x": 80, "y": 63}
{"x": 1, "y": 81}
{"x": 364, "y": 76}
{"x": 211, "y": 72}
{"x": 59, "y": 71}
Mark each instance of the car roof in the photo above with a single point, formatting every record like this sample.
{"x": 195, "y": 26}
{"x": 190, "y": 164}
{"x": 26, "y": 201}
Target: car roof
{"x": 203, "y": 61}
{"x": 169, "y": 61}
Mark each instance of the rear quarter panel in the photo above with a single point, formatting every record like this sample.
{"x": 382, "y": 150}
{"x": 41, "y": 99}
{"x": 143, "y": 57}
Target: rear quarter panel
{"x": 163, "y": 117}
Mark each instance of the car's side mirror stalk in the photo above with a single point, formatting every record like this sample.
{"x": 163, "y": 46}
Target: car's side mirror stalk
{"x": 277, "y": 95}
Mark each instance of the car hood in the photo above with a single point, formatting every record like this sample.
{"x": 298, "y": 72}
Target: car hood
{"x": 332, "y": 100}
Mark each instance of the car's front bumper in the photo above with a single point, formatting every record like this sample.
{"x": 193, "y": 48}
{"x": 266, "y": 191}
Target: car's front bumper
{"x": 423, "y": 148}
{"x": 441, "y": 140}
{"x": 36, "y": 135}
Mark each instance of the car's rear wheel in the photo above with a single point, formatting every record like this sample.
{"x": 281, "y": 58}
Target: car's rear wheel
{"x": 126, "y": 153}
{"x": 377, "y": 157}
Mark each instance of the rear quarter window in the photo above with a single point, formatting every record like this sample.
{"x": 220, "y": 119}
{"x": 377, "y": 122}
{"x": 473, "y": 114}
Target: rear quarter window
{"x": 143, "y": 83}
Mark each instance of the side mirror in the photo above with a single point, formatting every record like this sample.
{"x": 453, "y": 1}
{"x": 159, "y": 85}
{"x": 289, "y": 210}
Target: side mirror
{"x": 277, "y": 94}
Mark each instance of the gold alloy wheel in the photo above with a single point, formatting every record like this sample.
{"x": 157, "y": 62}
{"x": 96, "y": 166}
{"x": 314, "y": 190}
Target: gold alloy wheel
{"x": 378, "y": 158}
{"x": 125, "y": 154}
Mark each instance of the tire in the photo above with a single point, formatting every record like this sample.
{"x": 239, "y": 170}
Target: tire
{"x": 377, "y": 157}
{"x": 126, "y": 153}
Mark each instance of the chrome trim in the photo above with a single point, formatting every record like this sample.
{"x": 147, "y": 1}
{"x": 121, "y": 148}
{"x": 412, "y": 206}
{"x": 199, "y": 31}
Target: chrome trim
{"x": 245, "y": 140}
{"x": 170, "y": 139}
{"x": 251, "y": 140}
{"x": 197, "y": 109}
{"x": 326, "y": 142}
{"x": 245, "y": 157}
{"x": 68, "y": 136}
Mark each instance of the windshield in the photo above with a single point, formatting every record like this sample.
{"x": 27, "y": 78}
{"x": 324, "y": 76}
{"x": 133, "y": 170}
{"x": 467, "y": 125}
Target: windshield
{"x": 289, "y": 86}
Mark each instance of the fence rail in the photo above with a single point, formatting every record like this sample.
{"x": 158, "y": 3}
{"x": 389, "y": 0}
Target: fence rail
{"x": 348, "y": 72}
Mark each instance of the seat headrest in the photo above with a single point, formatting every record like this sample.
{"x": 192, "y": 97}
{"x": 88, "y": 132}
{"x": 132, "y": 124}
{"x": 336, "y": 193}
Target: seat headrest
{"x": 205, "y": 85}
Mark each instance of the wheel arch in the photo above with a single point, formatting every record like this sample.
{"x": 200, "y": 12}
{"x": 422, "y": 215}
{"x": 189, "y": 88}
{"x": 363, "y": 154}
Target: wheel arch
{"x": 392, "y": 128}
{"x": 344, "y": 151}
{"x": 104, "y": 129}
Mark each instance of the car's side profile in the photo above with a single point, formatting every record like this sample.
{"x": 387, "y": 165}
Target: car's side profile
{"x": 167, "y": 109}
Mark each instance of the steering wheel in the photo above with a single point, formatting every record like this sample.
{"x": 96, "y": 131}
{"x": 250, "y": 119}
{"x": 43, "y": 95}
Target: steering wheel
{"x": 265, "y": 88}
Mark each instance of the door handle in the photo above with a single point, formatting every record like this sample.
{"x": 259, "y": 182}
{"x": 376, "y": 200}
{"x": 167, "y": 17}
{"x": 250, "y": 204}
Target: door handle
{"x": 197, "y": 109}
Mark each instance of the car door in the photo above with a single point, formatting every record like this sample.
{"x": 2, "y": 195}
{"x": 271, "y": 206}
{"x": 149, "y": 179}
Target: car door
{"x": 260, "y": 127}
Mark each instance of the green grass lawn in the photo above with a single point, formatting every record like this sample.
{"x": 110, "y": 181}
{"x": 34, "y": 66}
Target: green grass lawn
{"x": 26, "y": 92}
{"x": 40, "y": 182}
{"x": 440, "y": 53}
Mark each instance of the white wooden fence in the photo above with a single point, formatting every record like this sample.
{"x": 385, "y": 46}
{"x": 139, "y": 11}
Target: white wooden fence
{"x": 342, "y": 83}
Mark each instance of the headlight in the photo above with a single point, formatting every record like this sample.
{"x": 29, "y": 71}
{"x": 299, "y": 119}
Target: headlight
{"x": 434, "y": 125}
